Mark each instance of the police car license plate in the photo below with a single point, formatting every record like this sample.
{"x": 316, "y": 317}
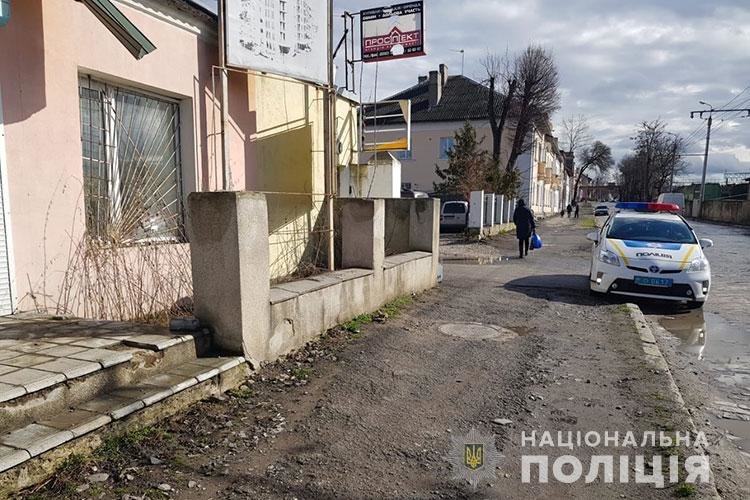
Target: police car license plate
{"x": 649, "y": 281}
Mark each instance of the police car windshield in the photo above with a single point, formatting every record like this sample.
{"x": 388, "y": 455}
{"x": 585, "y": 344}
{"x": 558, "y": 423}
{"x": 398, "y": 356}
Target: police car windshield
{"x": 654, "y": 230}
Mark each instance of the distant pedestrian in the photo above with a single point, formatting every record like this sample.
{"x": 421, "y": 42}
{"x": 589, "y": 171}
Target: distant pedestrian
{"x": 577, "y": 207}
{"x": 523, "y": 218}
{"x": 562, "y": 213}
{"x": 569, "y": 209}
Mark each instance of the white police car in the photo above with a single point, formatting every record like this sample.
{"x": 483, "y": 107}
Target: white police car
{"x": 647, "y": 250}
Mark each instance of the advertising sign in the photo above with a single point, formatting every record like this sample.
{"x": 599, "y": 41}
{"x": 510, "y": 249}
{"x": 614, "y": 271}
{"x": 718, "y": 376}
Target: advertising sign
{"x": 283, "y": 37}
{"x": 393, "y": 32}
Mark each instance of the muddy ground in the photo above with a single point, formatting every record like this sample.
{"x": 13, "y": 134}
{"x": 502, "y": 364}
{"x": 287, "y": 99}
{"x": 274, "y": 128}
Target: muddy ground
{"x": 369, "y": 412}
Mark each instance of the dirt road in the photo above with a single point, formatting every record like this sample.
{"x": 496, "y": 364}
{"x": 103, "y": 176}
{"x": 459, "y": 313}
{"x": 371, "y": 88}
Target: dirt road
{"x": 371, "y": 414}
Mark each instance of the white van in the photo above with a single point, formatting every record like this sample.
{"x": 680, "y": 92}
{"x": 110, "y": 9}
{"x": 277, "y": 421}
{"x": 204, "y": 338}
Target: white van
{"x": 454, "y": 215}
{"x": 674, "y": 198}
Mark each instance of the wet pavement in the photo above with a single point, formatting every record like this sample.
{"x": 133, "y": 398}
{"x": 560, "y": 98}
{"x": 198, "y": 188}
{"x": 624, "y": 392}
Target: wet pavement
{"x": 718, "y": 337}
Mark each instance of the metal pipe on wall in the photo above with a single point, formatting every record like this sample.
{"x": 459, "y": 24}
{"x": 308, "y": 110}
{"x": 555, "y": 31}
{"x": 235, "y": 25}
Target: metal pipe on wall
{"x": 224, "y": 80}
{"x": 329, "y": 138}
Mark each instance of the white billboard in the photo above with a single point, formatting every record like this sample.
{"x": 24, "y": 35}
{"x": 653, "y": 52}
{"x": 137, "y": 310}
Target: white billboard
{"x": 284, "y": 37}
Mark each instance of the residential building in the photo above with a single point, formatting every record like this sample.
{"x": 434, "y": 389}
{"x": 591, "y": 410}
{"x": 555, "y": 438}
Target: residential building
{"x": 103, "y": 134}
{"x": 440, "y": 106}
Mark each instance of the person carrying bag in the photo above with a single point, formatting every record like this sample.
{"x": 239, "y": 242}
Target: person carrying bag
{"x": 525, "y": 227}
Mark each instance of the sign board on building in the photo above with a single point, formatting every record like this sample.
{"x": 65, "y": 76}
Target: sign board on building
{"x": 386, "y": 125}
{"x": 284, "y": 37}
{"x": 393, "y": 32}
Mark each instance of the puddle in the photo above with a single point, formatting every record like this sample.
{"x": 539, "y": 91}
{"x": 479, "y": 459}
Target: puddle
{"x": 725, "y": 349}
{"x": 477, "y": 331}
{"x": 478, "y": 261}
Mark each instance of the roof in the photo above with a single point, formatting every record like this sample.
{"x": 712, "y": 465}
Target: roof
{"x": 462, "y": 99}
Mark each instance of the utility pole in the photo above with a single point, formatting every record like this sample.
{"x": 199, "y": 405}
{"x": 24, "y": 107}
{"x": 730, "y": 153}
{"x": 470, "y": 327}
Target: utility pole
{"x": 329, "y": 138}
{"x": 710, "y": 112}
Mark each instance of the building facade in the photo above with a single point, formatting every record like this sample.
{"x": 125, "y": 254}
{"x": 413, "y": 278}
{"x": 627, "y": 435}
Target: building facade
{"x": 441, "y": 105}
{"x": 99, "y": 150}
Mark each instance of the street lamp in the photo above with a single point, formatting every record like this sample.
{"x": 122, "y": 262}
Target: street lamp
{"x": 461, "y": 51}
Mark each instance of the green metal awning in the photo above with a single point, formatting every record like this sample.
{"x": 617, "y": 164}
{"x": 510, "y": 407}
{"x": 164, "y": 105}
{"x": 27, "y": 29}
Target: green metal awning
{"x": 121, "y": 27}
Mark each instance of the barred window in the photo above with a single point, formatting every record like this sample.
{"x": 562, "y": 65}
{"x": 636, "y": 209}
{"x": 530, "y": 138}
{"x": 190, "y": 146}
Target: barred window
{"x": 131, "y": 164}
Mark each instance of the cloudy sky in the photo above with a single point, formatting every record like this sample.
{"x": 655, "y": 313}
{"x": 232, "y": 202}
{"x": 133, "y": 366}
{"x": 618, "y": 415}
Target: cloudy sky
{"x": 620, "y": 62}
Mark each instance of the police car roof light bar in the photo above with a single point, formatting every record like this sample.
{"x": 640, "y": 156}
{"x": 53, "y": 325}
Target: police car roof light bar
{"x": 640, "y": 206}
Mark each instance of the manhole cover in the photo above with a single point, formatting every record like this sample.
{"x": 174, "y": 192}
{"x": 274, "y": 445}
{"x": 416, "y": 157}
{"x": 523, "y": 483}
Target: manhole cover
{"x": 477, "y": 331}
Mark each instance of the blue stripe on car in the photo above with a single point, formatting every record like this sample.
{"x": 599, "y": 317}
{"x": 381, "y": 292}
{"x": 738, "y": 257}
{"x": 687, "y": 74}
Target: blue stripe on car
{"x": 652, "y": 244}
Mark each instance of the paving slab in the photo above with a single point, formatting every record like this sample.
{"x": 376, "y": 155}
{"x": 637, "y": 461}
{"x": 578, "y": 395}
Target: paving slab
{"x": 174, "y": 382}
{"x": 6, "y": 368}
{"x": 32, "y": 347}
{"x": 281, "y": 295}
{"x": 63, "y": 339}
{"x": 153, "y": 342}
{"x": 31, "y": 379}
{"x": 7, "y": 354}
{"x": 199, "y": 372}
{"x": 95, "y": 342}
{"x": 114, "y": 406}
{"x": 71, "y": 368}
{"x": 105, "y": 357}
{"x": 36, "y": 438}
{"x": 10, "y": 457}
{"x": 77, "y": 421}
{"x": 27, "y": 360}
{"x": 9, "y": 392}
{"x": 147, "y": 394}
{"x": 60, "y": 351}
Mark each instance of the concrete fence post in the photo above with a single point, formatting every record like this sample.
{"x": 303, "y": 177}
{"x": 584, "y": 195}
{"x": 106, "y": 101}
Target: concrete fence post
{"x": 476, "y": 210}
{"x": 499, "y": 205}
{"x": 230, "y": 264}
{"x": 489, "y": 210}
{"x": 424, "y": 230}
{"x": 362, "y": 226}
{"x": 508, "y": 211}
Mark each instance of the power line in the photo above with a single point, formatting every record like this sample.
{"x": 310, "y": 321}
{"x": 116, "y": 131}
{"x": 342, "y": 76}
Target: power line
{"x": 708, "y": 140}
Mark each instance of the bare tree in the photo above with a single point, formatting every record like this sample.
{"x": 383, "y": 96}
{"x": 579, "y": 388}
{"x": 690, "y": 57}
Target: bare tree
{"x": 502, "y": 84}
{"x": 575, "y": 133}
{"x": 655, "y": 160}
{"x": 537, "y": 96}
{"x": 597, "y": 156}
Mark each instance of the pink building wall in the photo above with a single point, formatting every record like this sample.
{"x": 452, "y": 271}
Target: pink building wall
{"x": 45, "y": 47}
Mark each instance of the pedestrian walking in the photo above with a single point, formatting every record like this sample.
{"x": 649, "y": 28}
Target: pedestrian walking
{"x": 569, "y": 209}
{"x": 576, "y": 213}
{"x": 523, "y": 218}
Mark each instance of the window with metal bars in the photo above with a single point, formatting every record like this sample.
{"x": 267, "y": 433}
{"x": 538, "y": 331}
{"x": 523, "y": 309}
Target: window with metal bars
{"x": 131, "y": 164}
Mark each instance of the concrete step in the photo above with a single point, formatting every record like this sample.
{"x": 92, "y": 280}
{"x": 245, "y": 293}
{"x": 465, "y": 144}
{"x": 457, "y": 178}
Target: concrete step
{"x": 42, "y": 377}
{"x": 64, "y": 385}
{"x": 36, "y": 437}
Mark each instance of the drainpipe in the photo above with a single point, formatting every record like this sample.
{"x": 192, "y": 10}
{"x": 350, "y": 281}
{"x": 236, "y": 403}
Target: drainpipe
{"x": 329, "y": 139}
{"x": 226, "y": 179}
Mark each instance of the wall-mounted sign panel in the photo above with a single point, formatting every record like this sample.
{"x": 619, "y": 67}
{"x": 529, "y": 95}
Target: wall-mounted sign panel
{"x": 284, "y": 37}
{"x": 393, "y": 32}
{"x": 386, "y": 125}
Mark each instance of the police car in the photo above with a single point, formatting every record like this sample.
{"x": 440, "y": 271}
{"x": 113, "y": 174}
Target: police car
{"x": 648, "y": 250}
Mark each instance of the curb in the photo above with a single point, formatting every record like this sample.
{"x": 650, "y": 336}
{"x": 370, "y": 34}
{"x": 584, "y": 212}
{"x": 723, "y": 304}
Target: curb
{"x": 653, "y": 355}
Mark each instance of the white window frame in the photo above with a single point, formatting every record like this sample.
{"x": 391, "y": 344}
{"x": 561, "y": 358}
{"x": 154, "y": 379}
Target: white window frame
{"x": 443, "y": 152}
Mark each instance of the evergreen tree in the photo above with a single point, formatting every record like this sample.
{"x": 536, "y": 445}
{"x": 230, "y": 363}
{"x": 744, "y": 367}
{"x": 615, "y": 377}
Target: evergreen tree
{"x": 469, "y": 166}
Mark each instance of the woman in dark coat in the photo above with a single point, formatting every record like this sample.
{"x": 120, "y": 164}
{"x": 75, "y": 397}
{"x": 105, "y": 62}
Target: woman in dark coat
{"x": 525, "y": 226}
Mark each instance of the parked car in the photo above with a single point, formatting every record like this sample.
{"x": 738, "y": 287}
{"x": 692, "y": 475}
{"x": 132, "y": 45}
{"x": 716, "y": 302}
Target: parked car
{"x": 674, "y": 198}
{"x": 454, "y": 215}
{"x": 601, "y": 211}
{"x": 649, "y": 250}
{"x": 410, "y": 193}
